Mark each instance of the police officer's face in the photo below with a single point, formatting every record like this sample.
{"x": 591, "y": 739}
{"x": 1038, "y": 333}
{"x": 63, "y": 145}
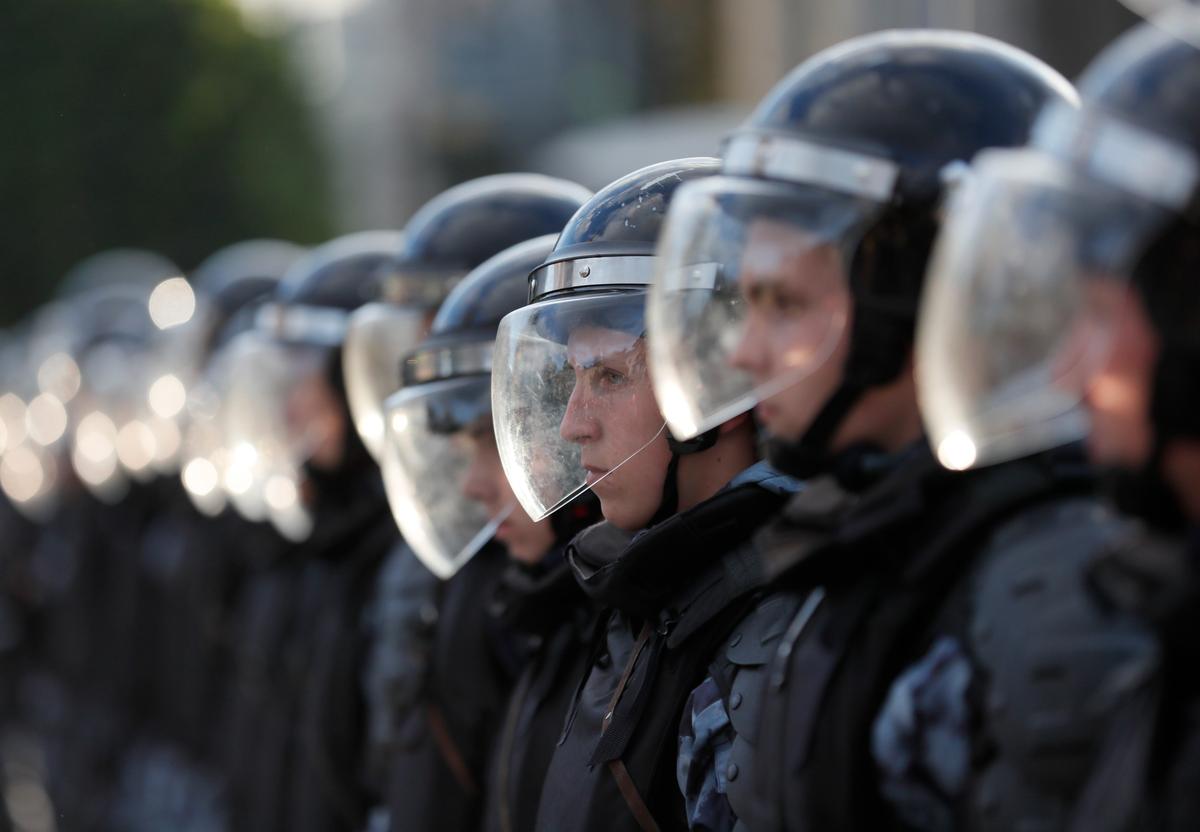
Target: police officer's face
{"x": 1117, "y": 396}
{"x": 486, "y": 484}
{"x": 796, "y": 333}
{"x": 612, "y": 414}
{"x": 316, "y": 422}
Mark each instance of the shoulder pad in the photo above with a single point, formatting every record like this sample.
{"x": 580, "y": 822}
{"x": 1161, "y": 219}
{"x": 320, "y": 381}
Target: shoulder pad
{"x": 1056, "y": 661}
{"x": 752, "y": 641}
{"x": 748, "y": 652}
{"x": 1150, "y": 577}
{"x": 747, "y": 659}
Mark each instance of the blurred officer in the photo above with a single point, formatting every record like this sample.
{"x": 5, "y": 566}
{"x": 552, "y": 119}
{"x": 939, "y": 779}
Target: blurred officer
{"x": 1084, "y": 249}
{"x": 451, "y": 499}
{"x": 294, "y": 740}
{"x": 791, "y": 282}
{"x": 433, "y": 682}
{"x": 574, "y": 411}
{"x": 194, "y": 556}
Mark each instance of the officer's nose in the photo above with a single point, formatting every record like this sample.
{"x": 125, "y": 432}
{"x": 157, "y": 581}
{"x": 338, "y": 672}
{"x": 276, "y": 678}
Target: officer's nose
{"x": 751, "y": 354}
{"x": 578, "y": 423}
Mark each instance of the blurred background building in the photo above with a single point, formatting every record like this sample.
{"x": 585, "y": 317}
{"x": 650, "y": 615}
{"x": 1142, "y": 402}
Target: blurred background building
{"x": 184, "y": 125}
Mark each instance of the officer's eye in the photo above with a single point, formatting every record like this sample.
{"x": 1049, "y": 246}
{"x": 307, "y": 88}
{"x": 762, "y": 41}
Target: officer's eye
{"x": 773, "y": 298}
{"x": 611, "y": 377}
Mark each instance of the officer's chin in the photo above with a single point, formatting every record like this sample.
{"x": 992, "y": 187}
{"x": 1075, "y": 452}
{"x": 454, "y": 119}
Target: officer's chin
{"x": 625, "y": 516}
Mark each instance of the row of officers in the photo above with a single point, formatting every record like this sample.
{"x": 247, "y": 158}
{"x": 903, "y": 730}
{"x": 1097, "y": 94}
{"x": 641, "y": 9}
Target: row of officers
{"x": 846, "y": 481}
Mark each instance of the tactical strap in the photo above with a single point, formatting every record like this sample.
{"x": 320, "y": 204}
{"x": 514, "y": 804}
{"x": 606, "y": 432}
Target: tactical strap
{"x": 449, "y": 751}
{"x": 593, "y": 656}
{"x": 668, "y": 505}
{"x": 629, "y": 790}
{"x": 633, "y": 798}
{"x": 1116, "y": 790}
{"x": 817, "y": 662}
{"x": 807, "y": 456}
{"x": 640, "y": 645}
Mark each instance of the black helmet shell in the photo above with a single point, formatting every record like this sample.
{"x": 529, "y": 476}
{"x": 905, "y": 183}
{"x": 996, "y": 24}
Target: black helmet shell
{"x": 465, "y": 225}
{"x": 626, "y": 216}
{"x": 338, "y": 274}
{"x": 919, "y": 98}
{"x": 472, "y": 312}
{"x": 237, "y": 274}
{"x": 1150, "y": 76}
{"x": 492, "y": 290}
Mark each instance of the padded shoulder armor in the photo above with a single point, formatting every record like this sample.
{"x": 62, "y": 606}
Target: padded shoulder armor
{"x": 1054, "y": 662}
{"x": 742, "y": 673}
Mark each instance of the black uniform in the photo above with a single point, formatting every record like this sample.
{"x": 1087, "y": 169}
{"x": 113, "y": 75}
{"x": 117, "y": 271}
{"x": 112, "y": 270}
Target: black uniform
{"x": 436, "y": 774}
{"x": 850, "y": 157}
{"x": 943, "y": 646}
{"x": 673, "y": 593}
{"x": 1126, "y": 231}
{"x": 552, "y": 621}
{"x": 327, "y": 786}
{"x": 401, "y": 617}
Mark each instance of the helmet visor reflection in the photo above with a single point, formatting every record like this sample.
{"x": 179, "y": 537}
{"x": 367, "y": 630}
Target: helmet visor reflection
{"x": 747, "y": 270}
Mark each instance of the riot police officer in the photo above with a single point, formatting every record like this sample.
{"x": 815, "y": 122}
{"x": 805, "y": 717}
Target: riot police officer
{"x": 88, "y": 561}
{"x": 191, "y": 562}
{"x": 193, "y": 555}
{"x": 791, "y": 283}
{"x": 574, "y": 411}
{"x": 451, "y": 499}
{"x": 1093, "y": 230}
{"x": 435, "y": 679}
{"x": 294, "y": 729}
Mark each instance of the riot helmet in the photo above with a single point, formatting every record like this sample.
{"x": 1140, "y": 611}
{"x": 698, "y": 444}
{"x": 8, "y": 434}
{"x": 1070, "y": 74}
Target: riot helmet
{"x": 33, "y": 419}
{"x": 440, "y": 464}
{"x": 130, "y": 267}
{"x": 112, "y": 440}
{"x": 1044, "y": 251}
{"x": 285, "y": 414}
{"x": 230, "y": 285}
{"x": 797, "y": 272}
{"x": 450, "y": 235}
{"x": 1074, "y": 245}
{"x": 571, "y": 396}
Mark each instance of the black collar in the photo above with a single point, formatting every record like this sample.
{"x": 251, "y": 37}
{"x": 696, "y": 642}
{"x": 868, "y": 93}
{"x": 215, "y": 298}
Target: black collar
{"x": 644, "y": 574}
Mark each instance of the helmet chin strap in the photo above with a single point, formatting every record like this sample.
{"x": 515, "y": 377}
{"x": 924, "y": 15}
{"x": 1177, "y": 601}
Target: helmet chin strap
{"x": 1174, "y": 408}
{"x": 880, "y": 341}
{"x": 669, "y": 504}
{"x": 809, "y": 455}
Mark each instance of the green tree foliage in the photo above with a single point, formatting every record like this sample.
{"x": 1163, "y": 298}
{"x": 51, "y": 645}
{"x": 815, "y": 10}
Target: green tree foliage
{"x": 162, "y": 124}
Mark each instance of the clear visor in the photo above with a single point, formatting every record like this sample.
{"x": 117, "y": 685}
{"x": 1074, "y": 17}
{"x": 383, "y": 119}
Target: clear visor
{"x": 112, "y": 436}
{"x": 1178, "y": 18}
{"x": 278, "y": 411}
{"x": 442, "y": 471}
{"x": 280, "y": 398}
{"x": 750, "y": 294}
{"x": 29, "y": 478}
{"x": 571, "y": 396}
{"x": 203, "y": 458}
{"x": 378, "y": 337}
{"x": 1020, "y": 306}
{"x": 174, "y": 370}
